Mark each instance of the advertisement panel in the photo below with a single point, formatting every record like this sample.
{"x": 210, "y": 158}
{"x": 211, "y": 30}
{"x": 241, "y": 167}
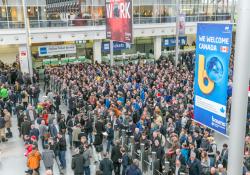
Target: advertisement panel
{"x": 119, "y": 20}
{"x": 170, "y": 42}
{"x": 56, "y": 49}
{"x": 182, "y": 24}
{"x": 23, "y": 59}
{"x": 213, "y": 46}
{"x": 116, "y": 46}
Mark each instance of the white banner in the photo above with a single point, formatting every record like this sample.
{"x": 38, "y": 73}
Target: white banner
{"x": 56, "y": 49}
{"x": 23, "y": 59}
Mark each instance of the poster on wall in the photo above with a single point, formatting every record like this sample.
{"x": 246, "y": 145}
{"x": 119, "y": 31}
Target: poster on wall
{"x": 56, "y": 49}
{"x": 23, "y": 59}
{"x": 211, "y": 75}
{"x": 182, "y": 24}
{"x": 119, "y": 20}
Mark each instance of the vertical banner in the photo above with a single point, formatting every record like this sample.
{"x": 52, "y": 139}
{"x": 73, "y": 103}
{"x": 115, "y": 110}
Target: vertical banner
{"x": 182, "y": 24}
{"x": 119, "y": 19}
{"x": 213, "y": 46}
{"x": 23, "y": 59}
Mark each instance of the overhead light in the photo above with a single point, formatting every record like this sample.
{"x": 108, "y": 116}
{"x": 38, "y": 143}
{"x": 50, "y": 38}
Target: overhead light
{"x": 45, "y": 36}
{"x": 28, "y": 9}
{"x": 1, "y": 39}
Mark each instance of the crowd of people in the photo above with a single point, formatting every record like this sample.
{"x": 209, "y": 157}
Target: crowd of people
{"x": 86, "y": 108}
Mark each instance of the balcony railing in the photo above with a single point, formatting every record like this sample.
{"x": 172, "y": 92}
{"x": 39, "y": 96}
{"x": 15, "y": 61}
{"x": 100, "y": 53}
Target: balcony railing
{"x": 101, "y": 21}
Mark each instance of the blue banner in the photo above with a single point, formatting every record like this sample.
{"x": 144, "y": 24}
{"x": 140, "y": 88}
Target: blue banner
{"x": 213, "y": 46}
{"x": 170, "y": 42}
{"x": 116, "y": 45}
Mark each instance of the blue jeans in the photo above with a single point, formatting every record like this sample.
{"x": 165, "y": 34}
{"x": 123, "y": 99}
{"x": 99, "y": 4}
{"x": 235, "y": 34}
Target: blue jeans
{"x": 86, "y": 170}
{"x": 110, "y": 142}
{"x": 90, "y": 137}
{"x": 70, "y": 139}
{"x": 62, "y": 158}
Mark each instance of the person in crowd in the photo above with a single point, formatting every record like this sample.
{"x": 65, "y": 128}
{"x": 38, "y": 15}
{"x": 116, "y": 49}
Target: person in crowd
{"x": 87, "y": 156}
{"x": 77, "y": 163}
{"x": 25, "y": 127}
{"x": 70, "y": 125}
{"x": 76, "y": 130}
{"x": 205, "y": 163}
{"x": 125, "y": 160}
{"x": 2, "y": 130}
{"x": 53, "y": 129}
{"x": 33, "y": 162}
{"x": 116, "y": 156}
{"x": 48, "y": 157}
{"x": 34, "y": 131}
{"x": 194, "y": 165}
{"x": 224, "y": 155}
{"x": 110, "y": 136}
{"x": 8, "y": 123}
{"x": 44, "y": 134}
{"x": 106, "y": 165}
{"x": 62, "y": 147}
{"x": 134, "y": 169}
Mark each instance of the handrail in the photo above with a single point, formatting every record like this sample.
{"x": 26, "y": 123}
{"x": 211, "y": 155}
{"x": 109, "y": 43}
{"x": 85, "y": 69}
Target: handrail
{"x": 101, "y": 21}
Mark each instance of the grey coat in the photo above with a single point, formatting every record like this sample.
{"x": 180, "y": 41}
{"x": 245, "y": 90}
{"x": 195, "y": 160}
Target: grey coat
{"x": 48, "y": 158}
{"x": 86, "y": 157}
{"x": 43, "y": 129}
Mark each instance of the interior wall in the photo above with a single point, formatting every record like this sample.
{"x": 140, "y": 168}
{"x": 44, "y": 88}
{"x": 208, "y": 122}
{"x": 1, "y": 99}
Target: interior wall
{"x": 8, "y": 53}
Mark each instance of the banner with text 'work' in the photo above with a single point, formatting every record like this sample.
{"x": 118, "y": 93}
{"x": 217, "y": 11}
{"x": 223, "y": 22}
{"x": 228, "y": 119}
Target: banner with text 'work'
{"x": 119, "y": 19}
{"x": 213, "y": 46}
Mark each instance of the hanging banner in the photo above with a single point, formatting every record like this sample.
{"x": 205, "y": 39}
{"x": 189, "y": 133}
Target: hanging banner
{"x": 213, "y": 46}
{"x": 56, "y": 49}
{"x": 119, "y": 19}
{"x": 116, "y": 46}
{"x": 182, "y": 24}
{"x": 170, "y": 42}
{"x": 23, "y": 59}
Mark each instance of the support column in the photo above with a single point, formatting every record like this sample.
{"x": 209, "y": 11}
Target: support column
{"x": 157, "y": 47}
{"x": 97, "y": 51}
{"x": 240, "y": 94}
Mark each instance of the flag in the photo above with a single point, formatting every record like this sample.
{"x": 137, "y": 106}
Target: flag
{"x": 224, "y": 49}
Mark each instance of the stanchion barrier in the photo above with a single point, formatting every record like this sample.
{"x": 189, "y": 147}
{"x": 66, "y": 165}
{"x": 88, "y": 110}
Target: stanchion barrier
{"x": 132, "y": 143}
{"x": 152, "y": 162}
{"x": 166, "y": 167}
{"x": 123, "y": 137}
{"x": 142, "y": 148}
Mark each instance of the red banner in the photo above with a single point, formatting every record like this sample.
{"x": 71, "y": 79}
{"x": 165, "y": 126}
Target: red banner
{"x": 119, "y": 20}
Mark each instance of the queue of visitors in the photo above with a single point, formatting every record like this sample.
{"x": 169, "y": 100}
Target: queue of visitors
{"x": 153, "y": 103}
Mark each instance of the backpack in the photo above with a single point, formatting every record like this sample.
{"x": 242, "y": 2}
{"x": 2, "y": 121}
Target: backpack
{"x": 130, "y": 161}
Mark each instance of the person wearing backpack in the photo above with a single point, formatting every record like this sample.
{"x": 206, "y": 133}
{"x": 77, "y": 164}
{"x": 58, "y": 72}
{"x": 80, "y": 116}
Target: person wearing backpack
{"x": 125, "y": 160}
{"x": 106, "y": 165}
{"x": 77, "y": 163}
{"x": 134, "y": 168}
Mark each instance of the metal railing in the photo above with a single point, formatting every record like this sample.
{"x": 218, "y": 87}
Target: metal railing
{"x": 101, "y": 21}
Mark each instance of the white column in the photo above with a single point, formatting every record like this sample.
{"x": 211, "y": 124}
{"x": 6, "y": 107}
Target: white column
{"x": 97, "y": 51}
{"x": 240, "y": 86}
{"x": 157, "y": 47}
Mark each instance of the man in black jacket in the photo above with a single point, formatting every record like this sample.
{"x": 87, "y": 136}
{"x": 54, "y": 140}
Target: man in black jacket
{"x": 25, "y": 127}
{"x": 77, "y": 163}
{"x": 116, "y": 156}
{"x": 106, "y": 165}
{"x": 194, "y": 165}
{"x": 62, "y": 147}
